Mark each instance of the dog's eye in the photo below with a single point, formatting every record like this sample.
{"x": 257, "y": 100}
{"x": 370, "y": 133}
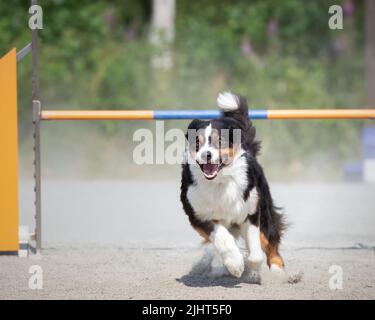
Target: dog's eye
{"x": 197, "y": 143}
{"x": 223, "y": 142}
{"x": 218, "y": 142}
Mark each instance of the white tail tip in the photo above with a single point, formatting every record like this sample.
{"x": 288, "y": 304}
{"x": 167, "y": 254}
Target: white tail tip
{"x": 227, "y": 101}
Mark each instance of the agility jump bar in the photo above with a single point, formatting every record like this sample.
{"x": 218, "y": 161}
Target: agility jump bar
{"x": 204, "y": 114}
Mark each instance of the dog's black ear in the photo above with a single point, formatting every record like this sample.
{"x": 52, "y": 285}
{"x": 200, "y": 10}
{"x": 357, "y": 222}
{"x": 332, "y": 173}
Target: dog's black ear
{"x": 235, "y": 107}
{"x": 251, "y": 132}
{"x": 193, "y": 128}
{"x": 195, "y": 124}
{"x": 249, "y": 138}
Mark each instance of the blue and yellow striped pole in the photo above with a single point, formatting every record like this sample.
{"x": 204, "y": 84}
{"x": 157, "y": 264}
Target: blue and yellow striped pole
{"x": 205, "y": 114}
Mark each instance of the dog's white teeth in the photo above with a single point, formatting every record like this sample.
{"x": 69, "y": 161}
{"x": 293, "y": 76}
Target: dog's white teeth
{"x": 227, "y": 101}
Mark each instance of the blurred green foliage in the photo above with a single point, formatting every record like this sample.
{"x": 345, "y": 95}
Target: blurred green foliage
{"x": 278, "y": 53}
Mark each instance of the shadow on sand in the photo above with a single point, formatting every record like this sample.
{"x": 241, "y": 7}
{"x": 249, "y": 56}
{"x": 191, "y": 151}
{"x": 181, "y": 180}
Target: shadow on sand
{"x": 201, "y": 274}
{"x": 193, "y": 280}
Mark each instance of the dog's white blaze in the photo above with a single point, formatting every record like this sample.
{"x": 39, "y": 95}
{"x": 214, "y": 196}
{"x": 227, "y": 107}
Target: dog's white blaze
{"x": 206, "y": 147}
{"x": 222, "y": 198}
{"x": 227, "y": 101}
{"x": 207, "y": 134}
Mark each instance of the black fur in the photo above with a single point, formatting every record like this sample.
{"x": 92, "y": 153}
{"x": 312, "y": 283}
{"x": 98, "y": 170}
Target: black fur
{"x": 269, "y": 218}
{"x": 186, "y": 181}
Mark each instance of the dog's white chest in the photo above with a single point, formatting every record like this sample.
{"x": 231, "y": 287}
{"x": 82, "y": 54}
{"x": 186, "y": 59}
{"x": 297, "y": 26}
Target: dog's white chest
{"x": 222, "y": 200}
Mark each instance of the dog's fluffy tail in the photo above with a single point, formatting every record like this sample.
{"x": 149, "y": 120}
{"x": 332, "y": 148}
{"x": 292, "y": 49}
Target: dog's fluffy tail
{"x": 234, "y": 106}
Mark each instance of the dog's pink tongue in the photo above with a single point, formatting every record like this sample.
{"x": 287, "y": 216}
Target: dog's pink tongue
{"x": 210, "y": 169}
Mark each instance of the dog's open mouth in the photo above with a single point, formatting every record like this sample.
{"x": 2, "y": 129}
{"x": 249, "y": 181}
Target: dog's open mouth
{"x": 210, "y": 170}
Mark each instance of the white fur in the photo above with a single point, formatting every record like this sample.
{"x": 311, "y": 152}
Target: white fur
{"x": 222, "y": 198}
{"x": 217, "y": 267}
{"x": 228, "y": 250}
{"x": 206, "y": 147}
{"x": 227, "y": 101}
{"x": 251, "y": 235}
{"x": 277, "y": 269}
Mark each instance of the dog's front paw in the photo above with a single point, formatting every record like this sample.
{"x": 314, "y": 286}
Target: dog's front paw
{"x": 235, "y": 264}
{"x": 252, "y": 277}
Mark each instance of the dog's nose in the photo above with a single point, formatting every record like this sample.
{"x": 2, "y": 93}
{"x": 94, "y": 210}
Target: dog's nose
{"x": 206, "y": 156}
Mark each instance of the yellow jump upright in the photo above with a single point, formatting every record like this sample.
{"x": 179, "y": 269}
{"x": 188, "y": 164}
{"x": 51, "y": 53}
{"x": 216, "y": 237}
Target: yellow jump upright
{"x": 8, "y": 153}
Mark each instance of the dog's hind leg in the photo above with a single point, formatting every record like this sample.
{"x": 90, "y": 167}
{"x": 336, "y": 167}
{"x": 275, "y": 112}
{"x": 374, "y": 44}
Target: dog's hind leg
{"x": 274, "y": 260}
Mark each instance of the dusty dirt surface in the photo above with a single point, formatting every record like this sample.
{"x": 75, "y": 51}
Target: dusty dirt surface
{"x": 165, "y": 273}
{"x": 131, "y": 240}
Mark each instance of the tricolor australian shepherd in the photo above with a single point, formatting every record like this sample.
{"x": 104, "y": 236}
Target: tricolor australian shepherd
{"x": 225, "y": 193}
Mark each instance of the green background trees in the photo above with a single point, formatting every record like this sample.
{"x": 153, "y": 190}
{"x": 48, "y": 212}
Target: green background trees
{"x": 96, "y": 54}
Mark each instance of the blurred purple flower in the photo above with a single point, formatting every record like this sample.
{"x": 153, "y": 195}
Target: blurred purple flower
{"x": 246, "y": 48}
{"x": 130, "y": 34}
{"x": 349, "y": 7}
{"x": 339, "y": 45}
{"x": 272, "y": 27}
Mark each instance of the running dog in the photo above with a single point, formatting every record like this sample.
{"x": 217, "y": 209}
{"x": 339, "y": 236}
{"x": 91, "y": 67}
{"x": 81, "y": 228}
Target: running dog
{"x": 225, "y": 193}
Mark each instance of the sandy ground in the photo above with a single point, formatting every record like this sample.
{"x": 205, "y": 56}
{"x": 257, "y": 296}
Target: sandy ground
{"x": 106, "y": 239}
{"x": 115, "y": 273}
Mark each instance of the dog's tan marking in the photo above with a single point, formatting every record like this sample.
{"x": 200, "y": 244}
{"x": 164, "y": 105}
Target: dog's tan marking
{"x": 203, "y": 234}
{"x": 263, "y": 241}
{"x": 272, "y": 252}
{"x": 228, "y": 154}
